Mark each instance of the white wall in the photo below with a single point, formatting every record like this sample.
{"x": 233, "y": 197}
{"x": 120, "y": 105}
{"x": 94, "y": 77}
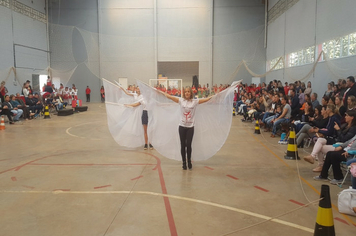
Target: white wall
{"x": 127, "y": 40}
{"x": 238, "y": 35}
{"x": 135, "y": 35}
{"x": 16, "y": 28}
{"x": 307, "y": 23}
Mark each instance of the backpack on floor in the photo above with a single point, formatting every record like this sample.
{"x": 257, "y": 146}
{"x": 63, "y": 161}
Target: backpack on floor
{"x": 346, "y": 201}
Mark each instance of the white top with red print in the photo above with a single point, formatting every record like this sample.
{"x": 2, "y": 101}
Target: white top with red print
{"x": 187, "y": 112}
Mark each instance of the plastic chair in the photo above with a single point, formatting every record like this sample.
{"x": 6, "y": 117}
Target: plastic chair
{"x": 346, "y": 168}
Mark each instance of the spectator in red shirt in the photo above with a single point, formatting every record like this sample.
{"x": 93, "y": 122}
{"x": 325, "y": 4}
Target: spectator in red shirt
{"x": 286, "y": 88}
{"x": 87, "y": 92}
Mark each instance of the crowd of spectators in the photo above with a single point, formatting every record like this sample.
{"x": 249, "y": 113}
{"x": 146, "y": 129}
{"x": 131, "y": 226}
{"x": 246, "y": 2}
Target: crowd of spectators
{"x": 325, "y": 124}
{"x": 29, "y": 104}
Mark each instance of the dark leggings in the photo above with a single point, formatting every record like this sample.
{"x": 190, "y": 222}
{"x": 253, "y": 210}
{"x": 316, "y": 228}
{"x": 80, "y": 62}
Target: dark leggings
{"x": 333, "y": 158}
{"x": 186, "y": 138}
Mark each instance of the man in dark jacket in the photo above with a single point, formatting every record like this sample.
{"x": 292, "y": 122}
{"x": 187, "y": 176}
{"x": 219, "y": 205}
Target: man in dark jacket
{"x": 351, "y": 88}
{"x": 295, "y": 105}
{"x": 14, "y": 110}
{"x": 4, "y": 110}
{"x": 34, "y": 105}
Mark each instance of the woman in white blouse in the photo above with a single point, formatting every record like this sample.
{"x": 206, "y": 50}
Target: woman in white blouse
{"x": 186, "y": 123}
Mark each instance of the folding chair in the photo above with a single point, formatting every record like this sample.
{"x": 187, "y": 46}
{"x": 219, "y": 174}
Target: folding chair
{"x": 345, "y": 167}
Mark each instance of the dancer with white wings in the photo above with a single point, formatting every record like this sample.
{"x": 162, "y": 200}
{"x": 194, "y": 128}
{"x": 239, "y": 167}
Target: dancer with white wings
{"x": 123, "y": 122}
{"x": 140, "y": 101}
{"x": 211, "y": 122}
{"x": 186, "y": 123}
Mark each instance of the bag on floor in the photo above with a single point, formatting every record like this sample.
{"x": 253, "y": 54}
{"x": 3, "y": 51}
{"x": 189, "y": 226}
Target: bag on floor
{"x": 347, "y": 201}
{"x": 74, "y": 103}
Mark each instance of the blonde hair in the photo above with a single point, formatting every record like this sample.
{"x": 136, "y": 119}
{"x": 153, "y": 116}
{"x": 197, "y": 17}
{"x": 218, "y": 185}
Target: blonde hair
{"x": 353, "y": 102}
{"x": 191, "y": 92}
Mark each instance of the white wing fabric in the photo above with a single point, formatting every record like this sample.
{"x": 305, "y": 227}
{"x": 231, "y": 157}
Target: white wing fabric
{"x": 211, "y": 129}
{"x": 124, "y": 122}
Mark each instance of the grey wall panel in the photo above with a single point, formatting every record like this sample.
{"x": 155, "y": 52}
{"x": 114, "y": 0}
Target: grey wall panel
{"x": 276, "y": 38}
{"x": 30, "y": 58}
{"x": 183, "y": 4}
{"x": 238, "y": 35}
{"x": 84, "y": 15}
{"x": 127, "y": 43}
{"x": 335, "y": 19}
{"x": 233, "y": 19}
{"x": 113, "y": 4}
{"x": 6, "y": 39}
{"x": 271, "y": 3}
{"x": 86, "y": 19}
{"x": 185, "y": 33}
{"x": 19, "y": 29}
{"x": 127, "y": 22}
{"x": 128, "y": 70}
{"x": 299, "y": 37}
{"x": 238, "y": 3}
{"x": 29, "y": 32}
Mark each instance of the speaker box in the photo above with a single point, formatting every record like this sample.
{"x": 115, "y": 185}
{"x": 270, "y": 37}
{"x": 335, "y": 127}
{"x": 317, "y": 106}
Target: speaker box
{"x": 65, "y": 112}
{"x": 80, "y": 109}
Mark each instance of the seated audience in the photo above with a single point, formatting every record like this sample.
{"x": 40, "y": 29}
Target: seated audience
{"x": 323, "y": 145}
{"x": 4, "y": 110}
{"x": 15, "y": 103}
{"x": 334, "y": 158}
{"x": 14, "y": 110}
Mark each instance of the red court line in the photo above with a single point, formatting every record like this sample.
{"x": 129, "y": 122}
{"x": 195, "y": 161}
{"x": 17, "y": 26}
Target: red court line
{"x": 61, "y": 189}
{"x": 261, "y": 188}
{"x": 5, "y": 159}
{"x": 16, "y": 168}
{"x": 232, "y": 177}
{"x": 298, "y": 203}
{"x": 172, "y": 225}
{"x": 13, "y": 178}
{"x": 30, "y": 187}
{"x": 137, "y": 177}
{"x": 44, "y": 164}
{"x": 341, "y": 220}
{"x": 208, "y": 167}
{"x": 102, "y": 186}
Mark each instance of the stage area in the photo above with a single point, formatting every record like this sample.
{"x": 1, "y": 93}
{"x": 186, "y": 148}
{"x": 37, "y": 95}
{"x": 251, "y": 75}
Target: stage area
{"x": 67, "y": 176}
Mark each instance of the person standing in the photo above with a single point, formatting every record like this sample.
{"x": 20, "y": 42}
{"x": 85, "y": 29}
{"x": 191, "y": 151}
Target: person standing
{"x": 102, "y": 94}
{"x": 144, "y": 118}
{"x": 87, "y": 92}
{"x": 3, "y": 91}
{"x": 186, "y": 125}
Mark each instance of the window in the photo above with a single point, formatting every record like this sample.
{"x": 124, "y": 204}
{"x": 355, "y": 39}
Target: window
{"x": 273, "y": 62}
{"x": 302, "y": 57}
{"x": 340, "y": 47}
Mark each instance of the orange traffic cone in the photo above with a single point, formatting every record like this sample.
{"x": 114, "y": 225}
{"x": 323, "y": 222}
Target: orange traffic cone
{"x": 2, "y": 124}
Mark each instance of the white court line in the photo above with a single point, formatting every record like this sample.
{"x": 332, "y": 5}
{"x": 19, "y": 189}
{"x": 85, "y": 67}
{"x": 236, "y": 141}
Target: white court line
{"x": 286, "y": 223}
{"x": 67, "y": 131}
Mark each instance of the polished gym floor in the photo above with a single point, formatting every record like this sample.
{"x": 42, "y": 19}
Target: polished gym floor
{"x": 67, "y": 176}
